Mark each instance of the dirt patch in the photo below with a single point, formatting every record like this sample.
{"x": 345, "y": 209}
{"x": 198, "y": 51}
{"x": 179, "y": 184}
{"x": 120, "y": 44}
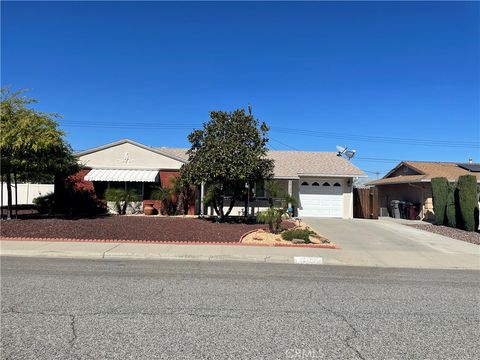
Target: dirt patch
{"x": 468, "y": 236}
{"x": 129, "y": 228}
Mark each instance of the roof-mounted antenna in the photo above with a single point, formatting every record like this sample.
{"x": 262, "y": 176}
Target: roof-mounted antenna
{"x": 344, "y": 152}
{"x": 249, "y": 109}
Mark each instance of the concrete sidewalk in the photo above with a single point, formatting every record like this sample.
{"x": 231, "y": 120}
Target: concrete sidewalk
{"x": 360, "y": 255}
{"x": 124, "y": 251}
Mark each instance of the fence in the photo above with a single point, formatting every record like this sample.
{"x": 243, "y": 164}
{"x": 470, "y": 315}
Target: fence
{"x": 26, "y": 193}
{"x": 365, "y": 203}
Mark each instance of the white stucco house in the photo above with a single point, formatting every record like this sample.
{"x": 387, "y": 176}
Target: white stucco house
{"x": 322, "y": 182}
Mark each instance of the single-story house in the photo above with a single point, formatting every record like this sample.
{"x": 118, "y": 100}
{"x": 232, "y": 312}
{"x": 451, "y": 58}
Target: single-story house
{"x": 322, "y": 182}
{"x": 410, "y": 181}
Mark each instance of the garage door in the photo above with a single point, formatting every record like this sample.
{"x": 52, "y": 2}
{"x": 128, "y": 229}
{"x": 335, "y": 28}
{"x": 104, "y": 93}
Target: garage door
{"x": 321, "y": 198}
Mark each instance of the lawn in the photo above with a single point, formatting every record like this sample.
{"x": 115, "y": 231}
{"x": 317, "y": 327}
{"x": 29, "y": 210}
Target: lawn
{"x": 129, "y": 228}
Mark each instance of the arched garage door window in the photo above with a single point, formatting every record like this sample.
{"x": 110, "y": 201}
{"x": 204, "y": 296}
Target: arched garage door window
{"x": 304, "y": 183}
{"x": 326, "y": 184}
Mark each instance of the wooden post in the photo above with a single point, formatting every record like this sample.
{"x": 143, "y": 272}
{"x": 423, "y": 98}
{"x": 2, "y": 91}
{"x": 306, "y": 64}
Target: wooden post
{"x": 16, "y": 196}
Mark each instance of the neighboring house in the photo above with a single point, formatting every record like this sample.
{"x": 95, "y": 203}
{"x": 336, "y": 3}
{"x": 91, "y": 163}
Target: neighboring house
{"x": 321, "y": 181}
{"x": 410, "y": 181}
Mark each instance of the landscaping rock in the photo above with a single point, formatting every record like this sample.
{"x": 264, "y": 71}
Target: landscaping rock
{"x": 298, "y": 241}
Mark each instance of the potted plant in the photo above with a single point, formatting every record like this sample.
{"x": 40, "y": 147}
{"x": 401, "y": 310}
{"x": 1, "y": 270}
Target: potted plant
{"x": 148, "y": 209}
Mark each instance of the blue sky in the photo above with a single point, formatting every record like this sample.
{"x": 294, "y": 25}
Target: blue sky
{"x": 319, "y": 74}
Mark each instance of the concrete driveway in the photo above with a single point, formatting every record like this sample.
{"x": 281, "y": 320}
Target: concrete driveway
{"x": 387, "y": 243}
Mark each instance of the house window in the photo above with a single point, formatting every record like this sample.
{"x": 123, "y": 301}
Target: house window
{"x": 326, "y": 184}
{"x": 260, "y": 189}
{"x": 337, "y": 184}
{"x": 315, "y": 184}
{"x": 229, "y": 190}
{"x": 136, "y": 186}
{"x": 304, "y": 183}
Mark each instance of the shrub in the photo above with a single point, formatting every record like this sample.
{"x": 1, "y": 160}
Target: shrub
{"x": 468, "y": 205}
{"x": 297, "y": 234}
{"x": 452, "y": 213}
{"x": 165, "y": 195}
{"x": 45, "y": 203}
{"x": 121, "y": 198}
{"x": 272, "y": 217}
{"x": 439, "y": 197}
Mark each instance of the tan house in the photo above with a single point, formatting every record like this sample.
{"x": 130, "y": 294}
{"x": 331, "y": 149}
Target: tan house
{"x": 410, "y": 181}
{"x": 322, "y": 182}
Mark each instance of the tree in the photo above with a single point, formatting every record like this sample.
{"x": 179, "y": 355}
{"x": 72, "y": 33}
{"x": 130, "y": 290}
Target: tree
{"x": 468, "y": 201}
{"x": 227, "y": 153}
{"x": 31, "y": 143}
{"x": 439, "y": 197}
{"x": 452, "y": 204}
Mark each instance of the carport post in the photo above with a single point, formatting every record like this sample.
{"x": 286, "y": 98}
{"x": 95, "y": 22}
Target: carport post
{"x": 202, "y": 193}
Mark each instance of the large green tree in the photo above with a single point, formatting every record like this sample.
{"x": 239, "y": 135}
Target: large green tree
{"x": 229, "y": 152}
{"x": 31, "y": 144}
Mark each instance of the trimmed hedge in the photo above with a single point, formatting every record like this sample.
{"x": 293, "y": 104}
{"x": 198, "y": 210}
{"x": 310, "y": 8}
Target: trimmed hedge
{"x": 452, "y": 205}
{"x": 467, "y": 198}
{"x": 439, "y": 197}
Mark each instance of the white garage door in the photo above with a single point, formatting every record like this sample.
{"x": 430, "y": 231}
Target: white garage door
{"x": 321, "y": 198}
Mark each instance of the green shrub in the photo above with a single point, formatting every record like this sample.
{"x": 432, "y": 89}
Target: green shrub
{"x": 452, "y": 206}
{"x": 272, "y": 217}
{"x": 467, "y": 197}
{"x": 45, "y": 203}
{"x": 439, "y": 197}
{"x": 121, "y": 198}
{"x": 297, "y": 234}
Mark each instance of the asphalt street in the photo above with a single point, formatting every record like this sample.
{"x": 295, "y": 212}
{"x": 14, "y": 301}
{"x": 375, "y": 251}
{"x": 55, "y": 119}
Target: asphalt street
{"x": 99, "y": 309}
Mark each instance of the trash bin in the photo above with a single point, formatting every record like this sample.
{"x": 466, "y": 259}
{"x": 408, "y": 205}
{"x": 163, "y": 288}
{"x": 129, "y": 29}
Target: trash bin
{"x": 402, "y": 209}
{"x": 414, "y": 211}
{"x": 394, "y": 204}
{"x": 410, "y": 211}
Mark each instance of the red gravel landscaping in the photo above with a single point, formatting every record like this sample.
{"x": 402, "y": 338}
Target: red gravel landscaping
{"x": 129, "y": 228}
{"x": 468, "y": 236}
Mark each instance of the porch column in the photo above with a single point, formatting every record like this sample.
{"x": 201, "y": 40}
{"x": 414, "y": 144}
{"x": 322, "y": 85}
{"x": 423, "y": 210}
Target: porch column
{"x": 202, "y": 193}
{"x": 290, "y": 191}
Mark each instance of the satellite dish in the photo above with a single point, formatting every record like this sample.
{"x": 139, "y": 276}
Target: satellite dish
{"x": 340, "y": 150}
{"x": 344, "y": 152}
{"x": 350, "y": 154}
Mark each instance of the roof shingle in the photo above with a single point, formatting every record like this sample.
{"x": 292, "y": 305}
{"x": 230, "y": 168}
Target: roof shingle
{"x": 426, "y": 171}
{"x": 291, "y": 164}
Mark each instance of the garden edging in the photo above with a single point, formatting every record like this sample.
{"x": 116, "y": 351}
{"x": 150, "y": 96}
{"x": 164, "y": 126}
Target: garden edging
{"x": 325, "y": 246}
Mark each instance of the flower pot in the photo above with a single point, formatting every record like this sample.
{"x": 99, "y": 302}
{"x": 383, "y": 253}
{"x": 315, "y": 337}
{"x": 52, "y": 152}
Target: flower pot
{"x": 148, "y": 210}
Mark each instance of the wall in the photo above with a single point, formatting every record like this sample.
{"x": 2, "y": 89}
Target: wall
{"x": 27, "y": 192}
{"x": 128, "y": 156}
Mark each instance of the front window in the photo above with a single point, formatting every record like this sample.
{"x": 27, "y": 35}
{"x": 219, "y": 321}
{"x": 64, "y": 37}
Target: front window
{"x": 136, "y": 186}
{"x": 260, "y": 189}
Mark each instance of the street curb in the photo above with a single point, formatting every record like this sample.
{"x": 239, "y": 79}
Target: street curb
{"x": 136, "y": 256}
{"x": 316, "y": 246}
